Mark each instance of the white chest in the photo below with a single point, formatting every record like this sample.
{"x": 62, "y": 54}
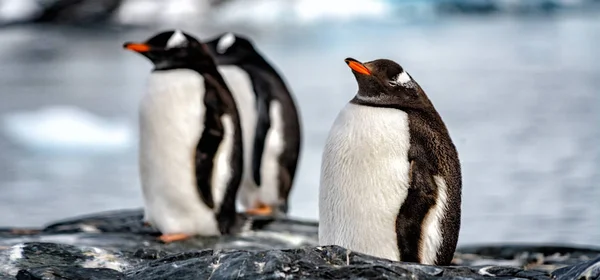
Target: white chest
{"x": 364, "y": 180}
{"x": 171, "y": 122}
{"x": 240, "y": 86}
{"x": 274, "y": 147}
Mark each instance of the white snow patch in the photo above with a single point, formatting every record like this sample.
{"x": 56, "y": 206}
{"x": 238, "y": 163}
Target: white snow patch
{"x": 9, "y": 258}
{"x": 280, "y": 274}
{"x": 89, "y": 228}
{"x": 214, "y": 266}
{"x": 237, "y": 244}
{"x": 483, "y": 271}
{"x": 104, "y": 259}
{"x": 260, "y": 266}
{"x": 16, "y": 252}
{"x": 66, "y": 128}
{"x": 293, "y": 240}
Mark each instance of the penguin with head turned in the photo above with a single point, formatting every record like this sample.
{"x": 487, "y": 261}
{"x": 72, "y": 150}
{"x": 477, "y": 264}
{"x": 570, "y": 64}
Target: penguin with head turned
{"x": 271, "y": 124}
{"x": 390, "y": 175}
{"x": 190, "y": 149}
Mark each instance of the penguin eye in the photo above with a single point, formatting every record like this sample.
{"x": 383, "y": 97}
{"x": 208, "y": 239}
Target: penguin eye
{"x": 392, "y": 81}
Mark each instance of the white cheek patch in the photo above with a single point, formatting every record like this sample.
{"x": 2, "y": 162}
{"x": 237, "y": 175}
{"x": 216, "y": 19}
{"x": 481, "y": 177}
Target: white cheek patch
{"x": 176, "y": 40}
{"x": 403, "y": 78}
{"x": 225, "y": 42}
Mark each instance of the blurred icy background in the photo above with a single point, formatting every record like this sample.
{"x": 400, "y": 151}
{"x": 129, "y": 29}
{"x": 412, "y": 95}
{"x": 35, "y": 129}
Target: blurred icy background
{"x": 517, "y": 82}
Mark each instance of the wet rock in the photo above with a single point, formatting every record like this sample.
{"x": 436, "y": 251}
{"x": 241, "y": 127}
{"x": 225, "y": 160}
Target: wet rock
{"x": 127, "y": 221}
{"x": 69, "y": 272}
{"x": 117, "y": 245}
{"x": 77, "y": 11}
{"x": 327, "y": 262}
{"x": 589, "y": 270}
{"x": 40, "y": 259}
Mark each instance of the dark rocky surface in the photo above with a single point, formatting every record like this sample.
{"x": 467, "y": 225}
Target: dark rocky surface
{"x": 116, "y": 245}
{"x": 77, "y": 11}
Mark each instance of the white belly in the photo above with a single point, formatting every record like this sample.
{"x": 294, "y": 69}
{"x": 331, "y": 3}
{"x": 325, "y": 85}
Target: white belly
{"x": 274, "y": 145}
{"x": 364, "y": 180}
{"x": 171, "y": 122}
{"x": 268, "y": 192}
{"x": 241, "y": 88}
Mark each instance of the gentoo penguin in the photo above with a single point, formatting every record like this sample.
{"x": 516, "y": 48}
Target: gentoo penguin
{"x": 390, "y": 175}
{"x": 190, "y": 150}
{"x": 271, "y": 124}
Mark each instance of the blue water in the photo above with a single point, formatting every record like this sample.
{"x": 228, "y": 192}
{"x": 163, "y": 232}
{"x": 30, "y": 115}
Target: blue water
{"x": 520, "y": 96}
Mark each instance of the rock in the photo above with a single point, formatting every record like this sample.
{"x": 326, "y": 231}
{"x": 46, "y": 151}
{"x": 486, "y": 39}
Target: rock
{"x": 328, "y": 262}
{"x": 589, "y": 270}
{"x": 78, "y": 11}
{"x": 52, "y": 273}
{"x": 117, "y": 245}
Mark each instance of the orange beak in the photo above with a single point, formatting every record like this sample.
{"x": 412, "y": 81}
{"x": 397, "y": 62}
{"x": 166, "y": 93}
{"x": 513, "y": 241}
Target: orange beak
{"x": 357, "y": 66}
{"x": 137, "y": 47}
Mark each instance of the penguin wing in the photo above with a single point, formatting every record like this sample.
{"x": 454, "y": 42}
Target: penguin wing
{"x": 209, "y": 141}
{"x": 262, "y": 127}
{"x": 420, "y": 198}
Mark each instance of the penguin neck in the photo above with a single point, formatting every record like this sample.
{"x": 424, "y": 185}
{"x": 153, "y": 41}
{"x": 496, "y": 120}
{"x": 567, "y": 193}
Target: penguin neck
{"x": 208, "y": 68}
{"x": 373, "y": 94}
{"x": 423, "y": 108}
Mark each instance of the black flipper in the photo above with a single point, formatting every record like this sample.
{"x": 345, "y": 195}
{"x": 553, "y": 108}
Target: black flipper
{"x": 421, "y": 197}
{"x": 216, "y": 88}
{"x": 227, "y": 217}
{"x": 207, "y": 147}
{"x": 262, "y": 127}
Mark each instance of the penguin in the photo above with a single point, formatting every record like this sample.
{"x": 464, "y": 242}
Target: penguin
{"x": 272, "y": 130}
{"x": 390, "y": 183}
{"x": 190, "y": 149}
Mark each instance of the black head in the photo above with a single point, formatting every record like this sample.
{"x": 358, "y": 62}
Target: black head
{"x": 173, "y": 49}
{"x": 385, "y": 83}
{"x": 233, "y": 49}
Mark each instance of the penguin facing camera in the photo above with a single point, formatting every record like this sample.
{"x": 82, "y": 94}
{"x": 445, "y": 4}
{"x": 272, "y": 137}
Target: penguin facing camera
{"x": 390, "y": 181}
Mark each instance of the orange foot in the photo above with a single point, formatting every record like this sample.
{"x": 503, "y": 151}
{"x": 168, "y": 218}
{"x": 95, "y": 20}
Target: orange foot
{"x": 262, "y": 209}
{"x": 168, "y": 238}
